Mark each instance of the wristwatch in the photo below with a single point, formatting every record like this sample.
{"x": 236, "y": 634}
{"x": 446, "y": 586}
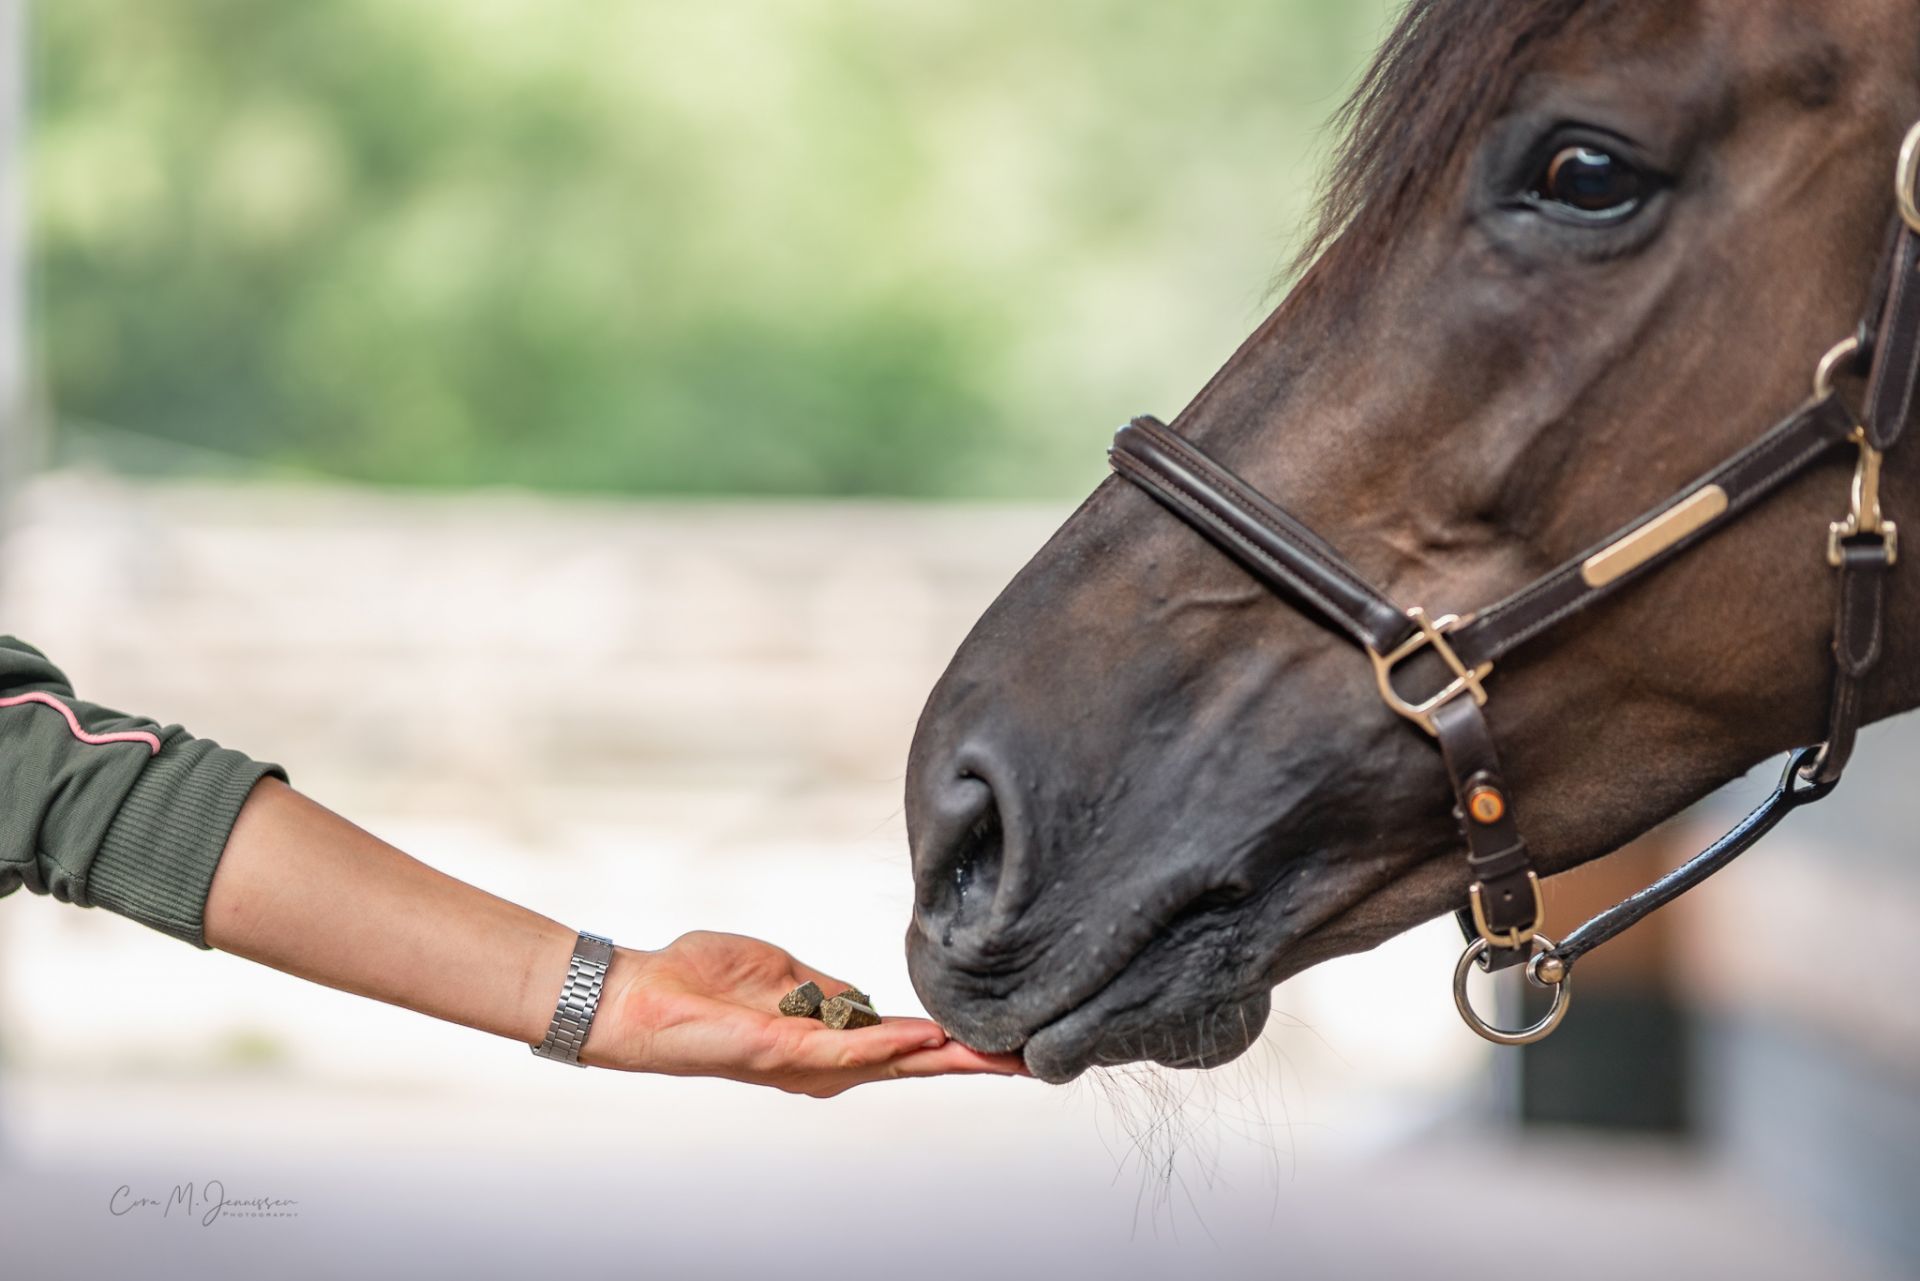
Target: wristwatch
{"x": 579, "y": 998}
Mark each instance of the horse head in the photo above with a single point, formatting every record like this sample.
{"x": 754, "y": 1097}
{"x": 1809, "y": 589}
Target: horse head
{"x": 1573, "y": 254}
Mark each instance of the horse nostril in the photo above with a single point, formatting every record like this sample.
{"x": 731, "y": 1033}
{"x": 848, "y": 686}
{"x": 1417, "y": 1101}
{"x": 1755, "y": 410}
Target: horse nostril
{"x": 959, "y": 854}
{"x": 976, "y": 863}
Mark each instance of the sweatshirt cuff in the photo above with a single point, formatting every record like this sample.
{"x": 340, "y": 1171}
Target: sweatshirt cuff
{"x": 157, "y": 859}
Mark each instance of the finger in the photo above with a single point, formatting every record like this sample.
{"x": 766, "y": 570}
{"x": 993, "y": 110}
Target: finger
{"x": 954, "y": 1057}
{"x": 822, "y": 1049}
{"x": 950, "y": 1059}
{"x": 931, "y": 1034}
{"x": 968, "y": 1059}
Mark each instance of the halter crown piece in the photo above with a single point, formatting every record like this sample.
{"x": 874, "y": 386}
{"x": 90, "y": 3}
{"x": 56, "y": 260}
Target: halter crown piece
{"x": 1503, "y": 913}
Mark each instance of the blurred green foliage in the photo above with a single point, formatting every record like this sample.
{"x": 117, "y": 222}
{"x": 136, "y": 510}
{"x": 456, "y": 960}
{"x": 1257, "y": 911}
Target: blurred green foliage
{"x": 747, "y": 246}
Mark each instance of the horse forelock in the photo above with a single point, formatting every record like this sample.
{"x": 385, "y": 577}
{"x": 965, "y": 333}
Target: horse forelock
{"x": 1444, "y": 69}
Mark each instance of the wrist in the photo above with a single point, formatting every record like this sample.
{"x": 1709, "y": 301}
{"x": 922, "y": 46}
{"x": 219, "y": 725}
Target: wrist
{"x": 548, "y": 953}
{"x": 612, "y": 1041}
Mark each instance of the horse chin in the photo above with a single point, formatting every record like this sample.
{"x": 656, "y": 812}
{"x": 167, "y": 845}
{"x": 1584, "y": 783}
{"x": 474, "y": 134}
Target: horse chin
{"x": 1429, "y": 889}
{"x": 1182, "y": 1002}
{"x": 1096, "y": 1034}
{"x": 1133, "y": 1019}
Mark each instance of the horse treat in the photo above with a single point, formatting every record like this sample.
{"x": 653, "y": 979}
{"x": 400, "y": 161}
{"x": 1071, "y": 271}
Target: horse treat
{"x": 804, "y": 1001}
{"x": 851, "y": 1008}
{"x": 842, "y": 1013}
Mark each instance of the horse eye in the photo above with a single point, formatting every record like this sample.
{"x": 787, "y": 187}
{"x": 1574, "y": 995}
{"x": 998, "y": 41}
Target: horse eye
{"x": 1591, "y": 182}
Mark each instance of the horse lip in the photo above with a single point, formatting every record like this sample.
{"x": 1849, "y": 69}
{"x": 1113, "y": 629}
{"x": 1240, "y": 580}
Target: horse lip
{"x": 1060, "y": 1028}
{"x": 1113, "y": 957}
{"x": 1016, "y": 1041}
{"x": 1067, "y": 1045}
{"x": 1084, "y": 1003}
{"x": 1063, "y": 1051}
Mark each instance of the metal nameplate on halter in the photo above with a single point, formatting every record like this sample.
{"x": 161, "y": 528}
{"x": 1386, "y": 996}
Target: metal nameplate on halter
{"x": 1433, "y": 632}
{"x": 1692, "y": 513}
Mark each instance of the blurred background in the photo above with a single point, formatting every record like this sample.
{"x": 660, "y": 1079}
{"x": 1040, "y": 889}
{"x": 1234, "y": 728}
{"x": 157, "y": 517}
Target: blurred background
{"x": 573, "y": 439}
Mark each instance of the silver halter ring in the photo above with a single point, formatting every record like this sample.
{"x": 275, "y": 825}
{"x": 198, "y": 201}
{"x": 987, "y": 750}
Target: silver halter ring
{"x": 1562, "y": 996}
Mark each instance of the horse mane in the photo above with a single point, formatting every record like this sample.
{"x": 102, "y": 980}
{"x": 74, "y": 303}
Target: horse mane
{"x": 1444, "y": 68}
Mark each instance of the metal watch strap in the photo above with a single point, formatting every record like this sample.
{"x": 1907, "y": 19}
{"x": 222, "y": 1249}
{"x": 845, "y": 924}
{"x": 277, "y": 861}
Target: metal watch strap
{"x": 579, "y": 998}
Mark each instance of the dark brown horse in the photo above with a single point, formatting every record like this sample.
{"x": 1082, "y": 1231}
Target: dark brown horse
{"x": 1573, "y": 254}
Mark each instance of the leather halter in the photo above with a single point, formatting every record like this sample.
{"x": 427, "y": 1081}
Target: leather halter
{"x": 1502, "y": 918}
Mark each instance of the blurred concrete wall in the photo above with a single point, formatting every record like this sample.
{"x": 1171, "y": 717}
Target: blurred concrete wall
{"x": 433, "y": 648}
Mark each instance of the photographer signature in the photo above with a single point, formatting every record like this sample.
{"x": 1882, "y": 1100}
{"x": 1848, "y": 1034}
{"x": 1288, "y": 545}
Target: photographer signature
{"x": 208, "y": 1200}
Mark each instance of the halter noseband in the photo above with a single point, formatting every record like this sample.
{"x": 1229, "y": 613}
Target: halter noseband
{"x": 1503, "y": 914}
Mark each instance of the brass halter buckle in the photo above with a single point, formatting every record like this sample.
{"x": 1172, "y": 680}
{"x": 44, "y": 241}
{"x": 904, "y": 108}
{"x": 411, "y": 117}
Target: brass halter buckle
{"x": 1864, "y": 518}
{"x": 1517, "y": 936}
{"x": 1433, "y": 632}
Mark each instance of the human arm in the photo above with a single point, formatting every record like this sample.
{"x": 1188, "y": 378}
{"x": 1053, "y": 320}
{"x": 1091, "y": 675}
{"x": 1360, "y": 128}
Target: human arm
{"x": 305, "y": 891}
{"x": 99, "y": 808}
{"x": 103, "y": 809}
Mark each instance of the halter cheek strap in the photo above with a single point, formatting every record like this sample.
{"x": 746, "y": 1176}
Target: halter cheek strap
{"x": 1503, "y": 914}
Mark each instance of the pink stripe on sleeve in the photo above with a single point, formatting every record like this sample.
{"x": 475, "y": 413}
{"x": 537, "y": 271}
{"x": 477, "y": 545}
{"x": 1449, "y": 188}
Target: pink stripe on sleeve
{"x": 73, "y": 723}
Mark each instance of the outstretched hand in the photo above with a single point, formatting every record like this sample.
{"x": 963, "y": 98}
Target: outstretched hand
{"x": 704, "y": 1005}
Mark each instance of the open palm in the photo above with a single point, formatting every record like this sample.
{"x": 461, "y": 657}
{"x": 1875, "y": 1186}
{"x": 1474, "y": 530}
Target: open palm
{"x": 704, "y": 1005}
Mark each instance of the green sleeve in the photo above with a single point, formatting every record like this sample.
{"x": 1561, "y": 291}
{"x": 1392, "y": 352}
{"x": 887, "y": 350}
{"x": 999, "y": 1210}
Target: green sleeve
{"x": 109, "y": 810}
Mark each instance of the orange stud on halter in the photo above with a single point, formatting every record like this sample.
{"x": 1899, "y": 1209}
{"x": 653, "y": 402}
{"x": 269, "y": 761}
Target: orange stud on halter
{"x": 1486, "y": 805}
